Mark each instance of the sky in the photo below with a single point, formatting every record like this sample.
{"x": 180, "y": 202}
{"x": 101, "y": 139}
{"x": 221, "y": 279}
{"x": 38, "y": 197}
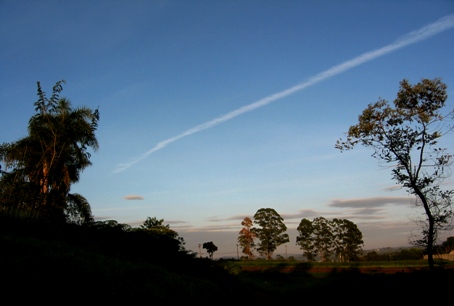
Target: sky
{"x": 211, "y": 110}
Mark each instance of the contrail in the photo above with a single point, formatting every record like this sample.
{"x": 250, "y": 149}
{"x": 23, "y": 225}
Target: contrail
{"x": 432, "y": 29}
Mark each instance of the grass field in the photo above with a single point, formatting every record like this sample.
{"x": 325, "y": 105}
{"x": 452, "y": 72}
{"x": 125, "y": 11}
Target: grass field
{"x": 274, "y": 282}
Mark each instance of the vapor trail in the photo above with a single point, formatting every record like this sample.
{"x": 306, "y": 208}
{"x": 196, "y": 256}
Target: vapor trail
{"x": 430, "y": 30}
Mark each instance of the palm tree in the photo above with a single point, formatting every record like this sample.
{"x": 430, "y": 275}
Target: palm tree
{"x": 51, "y": 158}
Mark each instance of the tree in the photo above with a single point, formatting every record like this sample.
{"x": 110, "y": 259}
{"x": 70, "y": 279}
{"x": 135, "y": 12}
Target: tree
{"x": 306, "y": 240}
{"x": 348, "y": 240}
{"x": 210, "y": 247}
{"x": 406, "y": 136}
{"x": 41, "y": 167}
{"x": 323, "y": 237}
{"x": 271, "y": 233}
{"x": 246, "y": 238}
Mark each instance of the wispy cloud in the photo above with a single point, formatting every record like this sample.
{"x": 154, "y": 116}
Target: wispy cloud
{"x": 432, "y": 29}
{"x": 370, "y": 202}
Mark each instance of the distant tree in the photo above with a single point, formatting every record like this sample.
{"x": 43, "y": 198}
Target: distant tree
{"x": 348, "y": 240}
{"x": 40, "y": 168}
{"x": 447, "y": 246}
{"x": 373, "y": 256}
{"x": 306, "y": 240}
{"x": 271, "y": 231}
{"x": 210, "y": 247}
{"x": 409, "y": 254}
{"x": 279, "y": 257}
{"x": 407, "y": 136}
{"x": 246, "y": 238}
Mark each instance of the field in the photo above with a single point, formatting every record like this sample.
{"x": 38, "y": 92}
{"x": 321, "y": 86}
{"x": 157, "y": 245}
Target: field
{"x": 273, "y": 282}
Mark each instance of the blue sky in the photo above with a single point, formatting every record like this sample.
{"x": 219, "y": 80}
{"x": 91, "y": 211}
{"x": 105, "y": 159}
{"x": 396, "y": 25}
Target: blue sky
{"x": 211, "y": 110}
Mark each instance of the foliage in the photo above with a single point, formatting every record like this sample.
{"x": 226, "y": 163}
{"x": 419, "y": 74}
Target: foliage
{"x": 48, "y": 262}
{"x": 40, "y": 168}
{"x": 305, "y": 239}
{"x": 406, "y": 136}
{"x": 404, "y": 254}
{"x": 210, "y": 247}
{"x": 347, "y": 240}
{"x": 446, "y": 247}
{"x": 449, "y": 244}
{"x": 271, "y": 231}
{"x": 409, "y": 254}
{"x": 246, "y": 238}
{"x": 157, "y": 229}
{"x": 324, "y": 237}
{"x": 153, "y": 222}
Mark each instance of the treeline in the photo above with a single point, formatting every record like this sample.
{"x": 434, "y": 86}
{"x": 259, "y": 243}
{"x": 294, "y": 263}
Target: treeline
{"x": 403, "y": 254}
{"x": 409, "y": 253}
{"x": 320, "y": 240}
{"x": 327, "y": 240}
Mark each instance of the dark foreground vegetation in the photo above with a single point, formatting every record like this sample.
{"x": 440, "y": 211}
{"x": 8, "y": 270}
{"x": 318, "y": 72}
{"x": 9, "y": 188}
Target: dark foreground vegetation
{"x": 72, "y": 263}
{"x": 64, "y": 262}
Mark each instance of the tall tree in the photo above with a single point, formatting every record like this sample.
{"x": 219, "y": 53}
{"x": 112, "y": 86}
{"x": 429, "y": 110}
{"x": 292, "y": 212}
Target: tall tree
{"x": 306, "y": 240}
{"x": 348, "y": 240}
{"x": 323, "y": 237}
{"x": 42, "y": 166}
{"x": 406, "y": 136}
{"x": 246, "y": 238}
{"x": 271, "y": 233}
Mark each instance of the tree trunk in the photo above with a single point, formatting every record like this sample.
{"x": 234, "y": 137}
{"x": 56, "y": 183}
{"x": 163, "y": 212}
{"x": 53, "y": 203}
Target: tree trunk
{"x": 430, "y": 234}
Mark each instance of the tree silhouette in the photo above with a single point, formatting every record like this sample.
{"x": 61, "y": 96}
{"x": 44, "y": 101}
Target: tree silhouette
{"x": 406, "y": 136}
{"x": 210, "y": 247}
{"x": 271, "y": 231}
{"x": 41, "y": 167}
